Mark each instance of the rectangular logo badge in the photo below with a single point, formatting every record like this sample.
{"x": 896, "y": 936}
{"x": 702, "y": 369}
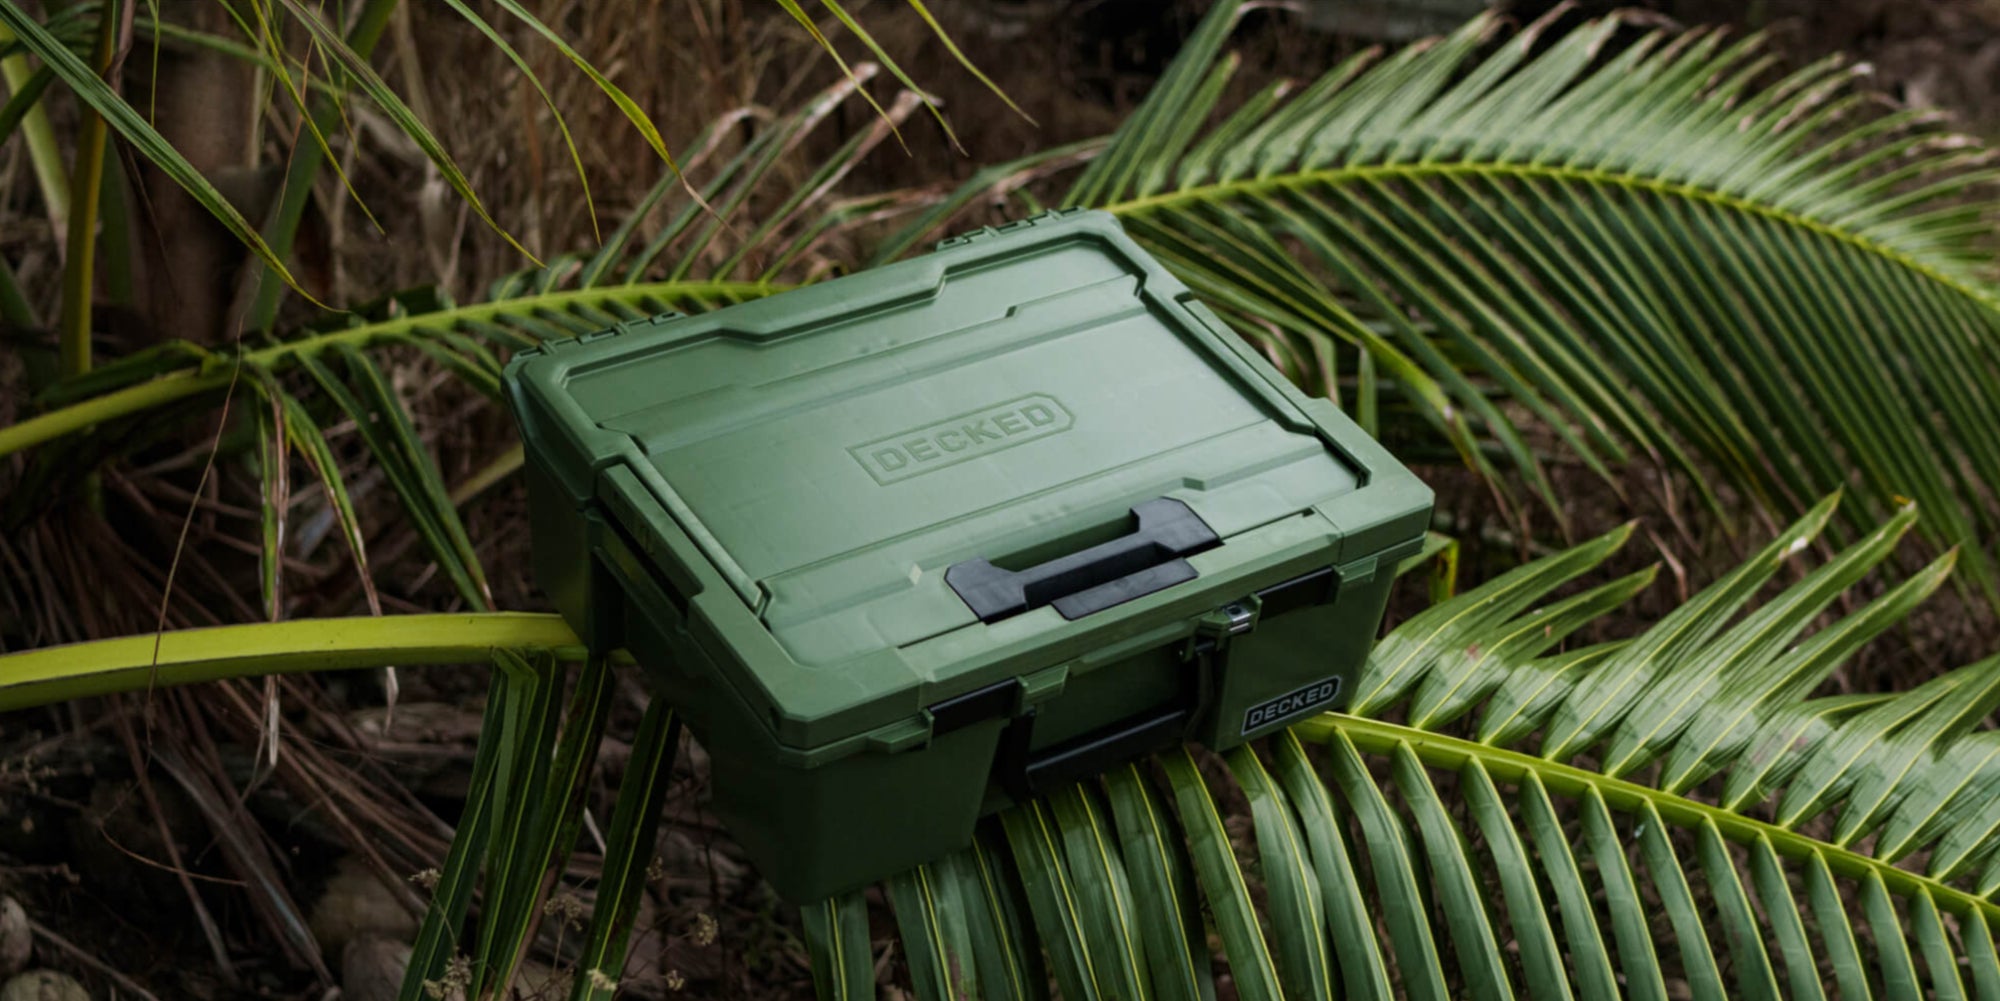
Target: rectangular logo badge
{"x": 957, "y": 439}
{"x": 1317, "y": 695}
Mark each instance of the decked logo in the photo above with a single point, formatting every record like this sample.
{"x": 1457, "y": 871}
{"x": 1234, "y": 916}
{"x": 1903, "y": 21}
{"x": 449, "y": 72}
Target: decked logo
{"x": 956, "y": 439}
{"x": 1313, "y": 696}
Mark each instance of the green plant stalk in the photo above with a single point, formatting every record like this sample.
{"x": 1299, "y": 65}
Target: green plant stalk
{"x": 1452, "y": 753}
{"x": 186, "y": 656}
{"x": 41, "y": 139}
{"x": 87, "y": 184}
{"x": 261, "y": 288}
{"x": 180, "y": 385}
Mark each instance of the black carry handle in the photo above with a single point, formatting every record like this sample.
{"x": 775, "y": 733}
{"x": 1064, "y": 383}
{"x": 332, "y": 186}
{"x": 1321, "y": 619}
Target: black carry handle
{"x": 1025, "y": 772}
{"x": 1094, "y": 579}
{"x": 1081, "y": 757}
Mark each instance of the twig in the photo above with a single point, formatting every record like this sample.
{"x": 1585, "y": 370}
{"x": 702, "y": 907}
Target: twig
{"x": 76, "y": 952}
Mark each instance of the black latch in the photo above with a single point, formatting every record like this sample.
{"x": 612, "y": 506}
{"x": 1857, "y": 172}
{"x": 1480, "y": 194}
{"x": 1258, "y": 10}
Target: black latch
{"x": 1302, "y": 591}
{"x": 995, "y": 701}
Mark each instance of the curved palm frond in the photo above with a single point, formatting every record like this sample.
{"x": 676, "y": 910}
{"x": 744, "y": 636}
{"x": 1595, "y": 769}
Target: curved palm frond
{"x": 133, "y": 401}
{"x": 1578, "y": 826}
{"x": 1647, "y": 245}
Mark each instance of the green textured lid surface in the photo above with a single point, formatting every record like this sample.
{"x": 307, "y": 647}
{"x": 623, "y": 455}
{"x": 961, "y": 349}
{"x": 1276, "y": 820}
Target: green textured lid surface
{"x": 834, "y": 449}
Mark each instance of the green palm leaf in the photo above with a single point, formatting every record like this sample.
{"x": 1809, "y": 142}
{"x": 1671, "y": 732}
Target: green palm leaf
{"x": 126, "y": 399}
{"x": 492, "y": 791}
{"x": 509, "y": 839}
{"x": 1298, "y": 919}
{"x": 1455, "y": 881}
{"x": 513, "y": 322}
{"x": 1644, "y": 248}
{"x": 1045, "y": 882}
{"x": 932, "y": 914}
{"x": 1541, "y": 955}
{"x": 1162, "y": 889}
{"x": 1101, "y": 892}
{"x": 1405, "y": 860}
{"x": 1221, "y": 880}
{"x": 635, "y": 821}
{"x": 836, "y": 932}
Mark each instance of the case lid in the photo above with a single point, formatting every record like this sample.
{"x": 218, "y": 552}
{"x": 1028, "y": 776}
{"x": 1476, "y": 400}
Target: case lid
{"x": 835, "y": 450}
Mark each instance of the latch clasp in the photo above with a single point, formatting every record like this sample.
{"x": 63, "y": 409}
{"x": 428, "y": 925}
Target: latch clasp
{"x": 1212, "y": 633}
{"x": 1241, "y": 617}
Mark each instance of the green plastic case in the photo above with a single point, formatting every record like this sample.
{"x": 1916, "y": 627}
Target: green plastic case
{"x": 912, "y": 544}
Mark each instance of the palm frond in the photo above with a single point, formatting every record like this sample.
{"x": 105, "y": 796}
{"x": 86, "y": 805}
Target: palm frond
{"x": 127, "y": 402}
{"x": 836, "y": 934}
{"x": 495, "y": 793}
{"x": 937, "y": 906}
{"x": 180, "y": 370}
{"x": 1403, "y": 859}
{"x": 1655, "y": 247}
{"x": 542, "y": 834}
{"x": 539, "y": 740}
{"x": 630, "y": 841}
